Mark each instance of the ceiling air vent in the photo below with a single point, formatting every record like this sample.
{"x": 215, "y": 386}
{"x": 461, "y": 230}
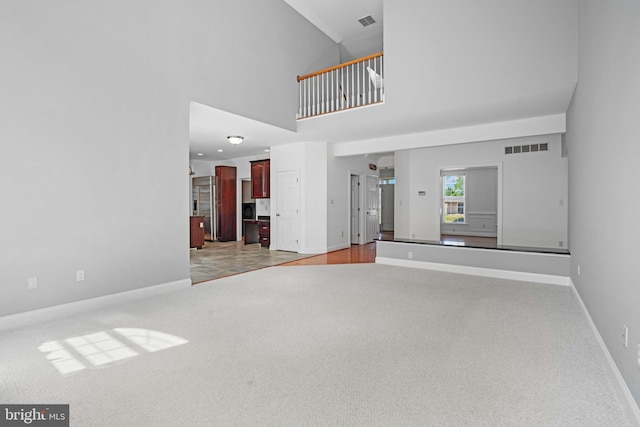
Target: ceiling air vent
{"x": 366, "y": 21}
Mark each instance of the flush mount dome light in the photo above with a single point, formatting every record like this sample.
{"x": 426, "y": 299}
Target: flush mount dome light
{"x": 235, "y": 140}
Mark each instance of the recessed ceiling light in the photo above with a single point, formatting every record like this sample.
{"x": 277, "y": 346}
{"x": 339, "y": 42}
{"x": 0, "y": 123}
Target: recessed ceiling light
{"x": 267, "y": 150}
{"x": 220, "y": 151}
{"x": 200, "y": 154}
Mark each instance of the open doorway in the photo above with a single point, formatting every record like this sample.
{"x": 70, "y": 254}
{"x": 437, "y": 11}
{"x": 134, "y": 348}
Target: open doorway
{"x": 387, "y": 199}
{"x": 354, "y": 211}
{"x": 469, "y": 206}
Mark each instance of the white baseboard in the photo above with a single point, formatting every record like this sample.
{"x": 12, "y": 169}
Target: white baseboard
{"x": 629, "y": 402}
{"x": 478, "y": 271}
{"x": 64, "y": 310}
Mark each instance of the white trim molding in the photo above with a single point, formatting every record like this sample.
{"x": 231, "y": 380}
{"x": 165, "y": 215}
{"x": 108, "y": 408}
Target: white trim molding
{"x": 478, "y": 271}
{"x": 70, "y": 309}
{"x": 629, "y": 403}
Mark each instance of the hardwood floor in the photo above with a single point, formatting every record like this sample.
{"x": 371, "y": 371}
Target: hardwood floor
{"x": 221, "y": 259}
{"x": 224, "y": 259}
{"x": 356, "y": 254}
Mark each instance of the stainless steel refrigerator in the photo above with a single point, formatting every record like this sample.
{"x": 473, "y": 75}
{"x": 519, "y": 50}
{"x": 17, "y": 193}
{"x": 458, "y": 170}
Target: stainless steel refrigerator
{"x": 203, "y": 203}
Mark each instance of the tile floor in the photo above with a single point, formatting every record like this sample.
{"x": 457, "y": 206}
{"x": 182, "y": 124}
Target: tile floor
{"x": 220, "y": 259}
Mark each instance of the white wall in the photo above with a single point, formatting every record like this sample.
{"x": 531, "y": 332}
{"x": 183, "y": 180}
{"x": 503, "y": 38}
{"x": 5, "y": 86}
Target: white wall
{"x": 602, "y": 136}
{"x": 466, "y": 71}
{"x": 94, "y": 111}
{"x": 483, "y": 62}
{"x": 402, "y": 205}
{"x": 314, "y": 198}
{"x": 249, "y": 69}
{"x": 202, "y": 167}
{"x": 309, "y": 159}
{"x": 534, "y": 190}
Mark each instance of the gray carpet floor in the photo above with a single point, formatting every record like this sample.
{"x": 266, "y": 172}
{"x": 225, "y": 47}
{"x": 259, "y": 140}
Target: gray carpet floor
{"x": 339, "y": 345}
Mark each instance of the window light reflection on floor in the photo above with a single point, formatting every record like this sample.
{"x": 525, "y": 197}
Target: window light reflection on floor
{"x": 101, "y": 348}
{"x": 150, "y": 340}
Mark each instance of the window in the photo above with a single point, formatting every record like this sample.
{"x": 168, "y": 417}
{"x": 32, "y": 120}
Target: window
{"x": 453, "y": 198}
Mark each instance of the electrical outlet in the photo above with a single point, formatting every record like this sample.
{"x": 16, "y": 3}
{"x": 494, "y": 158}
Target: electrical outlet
{"x": 625, "y": 336}
{"x": 578, "y": 269}
{"x": 32, "y": 283}
{"x": 410, "y": 255}
{"x": 79, "y": 275}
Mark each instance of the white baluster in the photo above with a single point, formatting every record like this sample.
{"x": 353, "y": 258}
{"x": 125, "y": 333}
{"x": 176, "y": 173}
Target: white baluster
{"x": 358, "y": 98}
{"x": 306, "y": 97}
{"x": 363, "y": 87}
{"x": 382, "y": 76}
{"x": 324, "y": 93}
{"x": 334, "y": 79}
{"x": 342, "y": 88}
{"x": 369, "y": 65}
{"x": 375, "y": 90}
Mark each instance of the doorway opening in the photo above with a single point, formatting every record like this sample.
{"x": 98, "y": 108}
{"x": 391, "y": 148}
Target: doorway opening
{"x": 387, "y": 200}
{"x": 469, "y": 200}
{"x": 354, "y": 211}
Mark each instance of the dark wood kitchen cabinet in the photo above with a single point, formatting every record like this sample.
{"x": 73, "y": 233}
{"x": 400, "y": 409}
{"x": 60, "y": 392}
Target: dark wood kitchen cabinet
{"x": 196, "y": 235}
{"x": 257, "y": 231}
{"x": 261, "y": 179}
{"x": 264, "y": 231}
{"x": 226, "y": 192}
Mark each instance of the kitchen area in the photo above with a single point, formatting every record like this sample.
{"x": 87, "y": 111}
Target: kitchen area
{"x": 230, "y": 230}
{"x": 256, "y": 204}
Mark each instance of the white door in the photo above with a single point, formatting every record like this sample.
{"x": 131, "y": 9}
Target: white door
{"x": 372, "y": 201}
{"x": 355, "y": 210}
{"x": 288, "y": 211}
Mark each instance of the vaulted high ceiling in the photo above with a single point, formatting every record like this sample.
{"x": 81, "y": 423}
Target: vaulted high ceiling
{"x": 451, "y": 66}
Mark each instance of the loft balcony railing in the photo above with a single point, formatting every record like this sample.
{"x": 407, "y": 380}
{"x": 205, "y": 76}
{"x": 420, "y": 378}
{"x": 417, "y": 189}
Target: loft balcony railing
{"x": 352, "y": 84}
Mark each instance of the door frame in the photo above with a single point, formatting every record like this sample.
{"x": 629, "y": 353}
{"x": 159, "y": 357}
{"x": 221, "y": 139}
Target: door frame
{"x": 497, "y": 165}
{"x": 377, "y": 203}
{"x": 361, "y": 175}
{"x": 275, "y": 229}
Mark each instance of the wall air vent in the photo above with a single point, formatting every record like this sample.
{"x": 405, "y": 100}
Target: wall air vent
{"x": 366, "y": 21}
{"x": 517, "y": 149}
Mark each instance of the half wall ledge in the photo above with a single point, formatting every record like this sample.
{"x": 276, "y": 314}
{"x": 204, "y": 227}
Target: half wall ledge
{"x": 523, "y": 264}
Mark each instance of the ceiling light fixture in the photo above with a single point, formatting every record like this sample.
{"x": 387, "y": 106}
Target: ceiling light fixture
{"x": 200, "y": 154}
{"x": 235, "y": 140}
{"x": 220, "y": 151}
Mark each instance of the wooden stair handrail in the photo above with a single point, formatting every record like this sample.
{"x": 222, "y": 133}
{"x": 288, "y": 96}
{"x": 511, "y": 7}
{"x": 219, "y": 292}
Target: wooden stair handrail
{"x": 343, "y": 65}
